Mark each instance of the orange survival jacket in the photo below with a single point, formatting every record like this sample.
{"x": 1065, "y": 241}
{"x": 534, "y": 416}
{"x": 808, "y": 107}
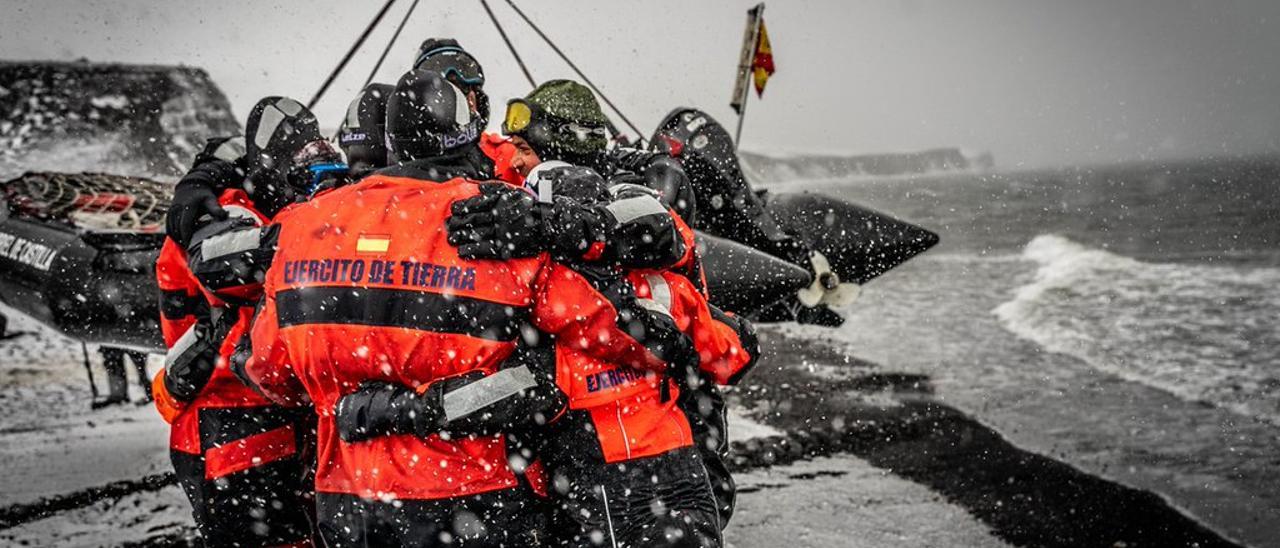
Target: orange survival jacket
{"x": 500, "y": 149}
{"x": 183, "y": 301}
{"x": 625, "y": 404}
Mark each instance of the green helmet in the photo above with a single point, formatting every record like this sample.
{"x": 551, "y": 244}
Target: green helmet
{"x": 561, "y": 120}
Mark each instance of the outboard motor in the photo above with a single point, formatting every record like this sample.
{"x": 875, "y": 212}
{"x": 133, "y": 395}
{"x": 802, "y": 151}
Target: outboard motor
{"x": 727, "y": 207}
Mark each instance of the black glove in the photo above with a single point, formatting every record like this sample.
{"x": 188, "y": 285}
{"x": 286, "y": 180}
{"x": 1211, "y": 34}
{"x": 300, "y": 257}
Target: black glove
{"x": 503, "y": 222}
{"x": 660, "y": 335}
{"x": 536, "y": 404}
{"x": 746, "y": 336}
{"x": 381, "y": 408}
{"x": 196, "y": 196}
{"x": 189, "y": 364}
{"x": 683, "y": 361}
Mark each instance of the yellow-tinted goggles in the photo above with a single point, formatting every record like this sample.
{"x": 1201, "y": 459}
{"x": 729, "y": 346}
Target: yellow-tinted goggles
{"x": 519, "y": 115}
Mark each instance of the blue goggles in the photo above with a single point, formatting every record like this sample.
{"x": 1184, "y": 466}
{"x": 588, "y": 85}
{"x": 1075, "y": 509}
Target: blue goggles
{"x": 319, "y": 171}
{"x": 453, "y": 64}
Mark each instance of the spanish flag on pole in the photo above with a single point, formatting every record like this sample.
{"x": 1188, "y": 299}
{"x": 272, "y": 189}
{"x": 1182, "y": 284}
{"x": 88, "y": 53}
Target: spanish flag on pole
{"x": 762, "y": 63}
{"x": 755, "y": 63}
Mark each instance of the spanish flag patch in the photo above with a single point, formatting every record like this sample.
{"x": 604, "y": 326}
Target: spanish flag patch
{"x": 373, "y": 243}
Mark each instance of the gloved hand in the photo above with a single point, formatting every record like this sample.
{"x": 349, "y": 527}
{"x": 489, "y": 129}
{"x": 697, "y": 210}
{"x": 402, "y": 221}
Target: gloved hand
{"x": 196, "y": 196}
{"x": 662, "y": 337}
{"x": 379, "y": 408}
{"x": 189, "y": 364}
{"x": 649, "y": 325}
{"x": 525, "y": 395}
{"x": 746, "y": 336}
{"x": 503, "y": 222}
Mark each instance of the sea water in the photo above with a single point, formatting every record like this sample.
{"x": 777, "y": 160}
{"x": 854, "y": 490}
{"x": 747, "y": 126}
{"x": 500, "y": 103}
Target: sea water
{"x": 1122, "y": 319}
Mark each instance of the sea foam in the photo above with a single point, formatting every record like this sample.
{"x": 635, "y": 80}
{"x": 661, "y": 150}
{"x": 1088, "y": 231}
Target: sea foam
{"x": 1202, "y": 333}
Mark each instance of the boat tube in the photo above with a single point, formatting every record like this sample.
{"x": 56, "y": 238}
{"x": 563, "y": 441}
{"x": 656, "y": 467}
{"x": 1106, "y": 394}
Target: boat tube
{"x": 78, "y": 253}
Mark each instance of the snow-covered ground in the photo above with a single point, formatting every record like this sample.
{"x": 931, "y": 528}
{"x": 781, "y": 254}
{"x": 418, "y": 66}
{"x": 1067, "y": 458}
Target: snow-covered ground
{"x": 51, "y": 442}
{"x": 110, "y": 522}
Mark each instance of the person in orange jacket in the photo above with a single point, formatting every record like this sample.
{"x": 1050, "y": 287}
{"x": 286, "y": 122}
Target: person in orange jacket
{"x": 537, "y": 125}
{"x": 241, "y": 459}
{"x": 617, "y": 444}
{"x": 364, "y": 286}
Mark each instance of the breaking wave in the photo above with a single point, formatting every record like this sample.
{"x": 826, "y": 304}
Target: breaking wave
{"x": 1201, "y": 333}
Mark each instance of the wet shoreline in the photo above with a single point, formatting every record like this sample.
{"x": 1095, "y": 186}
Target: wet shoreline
{"x": 893, "y": 422}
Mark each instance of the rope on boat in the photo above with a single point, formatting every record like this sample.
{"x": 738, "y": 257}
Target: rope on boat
{"x": 577, "y": 71}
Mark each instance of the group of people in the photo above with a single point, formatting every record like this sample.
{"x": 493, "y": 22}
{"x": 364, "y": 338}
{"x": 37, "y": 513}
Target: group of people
{"x": 441, "y": 336}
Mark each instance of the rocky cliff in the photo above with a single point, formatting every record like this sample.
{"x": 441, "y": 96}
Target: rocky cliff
{"x": 142, "y": 120}
{"x": 780, "y": 169}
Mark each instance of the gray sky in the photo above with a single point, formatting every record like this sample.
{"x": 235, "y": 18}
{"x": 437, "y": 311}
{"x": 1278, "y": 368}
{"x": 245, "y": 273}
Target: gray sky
{"x": 1035, "y": 82}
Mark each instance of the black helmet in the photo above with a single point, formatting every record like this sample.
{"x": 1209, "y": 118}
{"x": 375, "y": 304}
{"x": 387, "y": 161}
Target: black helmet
{"x": 229, "y": 149}
{"x": 558, "y": 178}
{"x": 278, "y": 128}
{"x": 428, "y": 117}
{"x": 363, "y": 132}
{"x": 444, "y": 56}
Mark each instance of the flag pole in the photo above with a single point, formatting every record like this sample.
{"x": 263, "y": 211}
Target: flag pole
{"x": 741, "y": 91}
{"x": 742, "y": 115}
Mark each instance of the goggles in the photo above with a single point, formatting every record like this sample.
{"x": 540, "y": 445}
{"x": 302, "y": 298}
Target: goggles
{"x": 321, "y": 172}
{"x": 316, "y": 162}
{"x": 520, "y": 115}
{"x": 583, "y": 132}
{"x": 454, "y": 64}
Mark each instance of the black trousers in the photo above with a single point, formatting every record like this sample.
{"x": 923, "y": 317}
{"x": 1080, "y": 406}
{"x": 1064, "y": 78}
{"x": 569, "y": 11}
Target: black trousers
{"x": 661, "y": 501}
{"x": 268, "y": 504}
{"x": 705, "y": 408}
{"x": 505, "y": 518}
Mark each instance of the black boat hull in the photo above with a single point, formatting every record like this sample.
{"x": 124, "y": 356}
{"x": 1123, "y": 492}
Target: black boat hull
{"x": 77, "y": 293}
{"x": 743, "y": 280}
{"x": 858, "y": 243}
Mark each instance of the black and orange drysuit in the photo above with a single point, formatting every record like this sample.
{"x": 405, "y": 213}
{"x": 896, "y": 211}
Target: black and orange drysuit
{"x": 364, "y": 286}
{"x": 622, "y": 427}
{"x": 240, "y": 458}
{"x": 618, "y": 444}
{"x": 625, "y": 444}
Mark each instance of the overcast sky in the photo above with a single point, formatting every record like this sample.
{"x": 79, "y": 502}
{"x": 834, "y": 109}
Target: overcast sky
{"x": 1036, "y": 83}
